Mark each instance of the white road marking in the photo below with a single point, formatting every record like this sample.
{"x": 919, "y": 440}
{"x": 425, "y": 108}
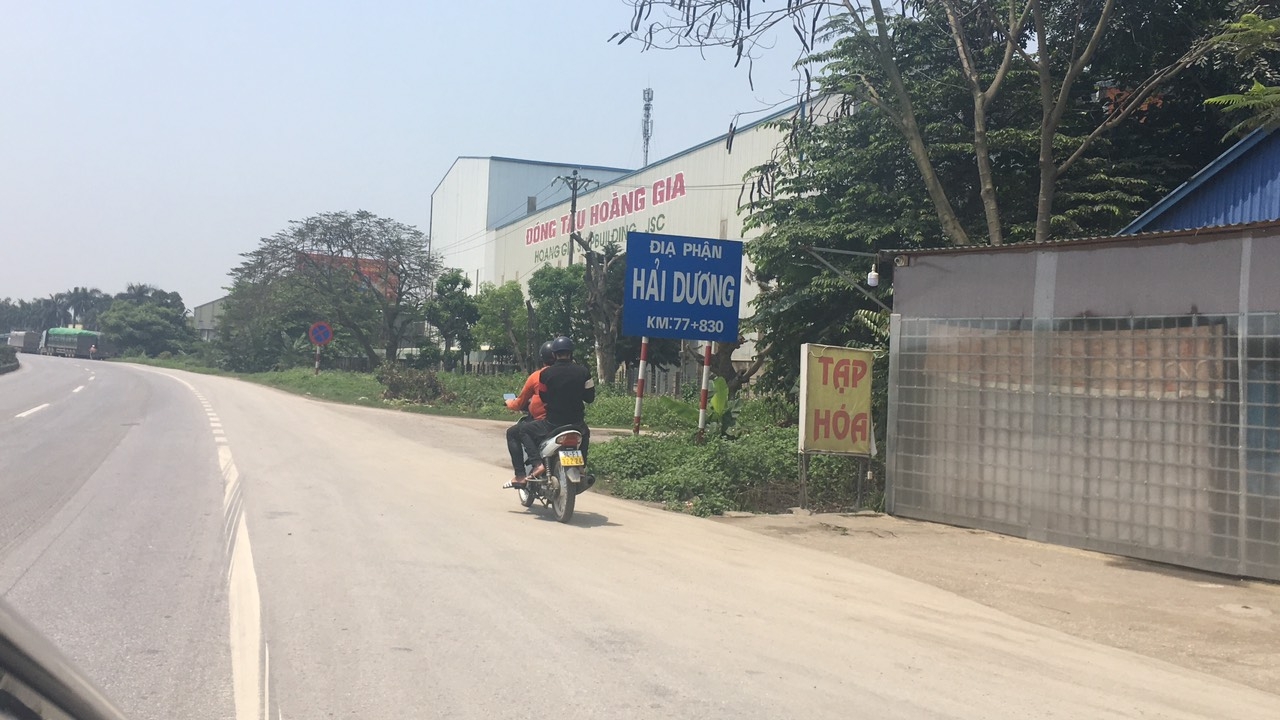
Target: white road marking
{"x": 32, "y": 411}
{"x": 250, "y": 657}
{"x": 78, "y": 389}
{"x": 91, "y": 377}
{"x": 249, "y": 651}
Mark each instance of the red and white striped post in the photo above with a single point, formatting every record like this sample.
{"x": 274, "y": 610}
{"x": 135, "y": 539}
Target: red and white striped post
{"x": 644, "y": 366}
{"x": 706, "y": 384}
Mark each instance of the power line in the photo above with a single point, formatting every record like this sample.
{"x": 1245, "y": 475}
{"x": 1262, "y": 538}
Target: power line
{"x": 499, "y": 221}
{"x": 574, "y": 183}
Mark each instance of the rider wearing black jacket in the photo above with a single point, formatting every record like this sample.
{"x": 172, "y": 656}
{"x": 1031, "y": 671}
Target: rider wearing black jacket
{"x": 565, "y": 388}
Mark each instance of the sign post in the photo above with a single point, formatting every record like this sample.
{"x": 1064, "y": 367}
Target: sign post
{"x": 835, "y": 405}
{"x": 702, "y": 398}
{"x": 644, "y": 362}
{"x": 683, "y": 288}
{"x": 320, "y": 334}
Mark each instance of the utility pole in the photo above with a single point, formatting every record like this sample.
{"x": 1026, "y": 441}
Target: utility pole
{"x": 575, "y": 185}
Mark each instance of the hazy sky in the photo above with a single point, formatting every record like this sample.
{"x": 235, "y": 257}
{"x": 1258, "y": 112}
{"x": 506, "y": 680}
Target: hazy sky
{"x": 155, "y": 141}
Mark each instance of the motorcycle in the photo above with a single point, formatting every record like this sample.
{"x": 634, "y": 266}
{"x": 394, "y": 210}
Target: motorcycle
{"x": 564, "y": 478}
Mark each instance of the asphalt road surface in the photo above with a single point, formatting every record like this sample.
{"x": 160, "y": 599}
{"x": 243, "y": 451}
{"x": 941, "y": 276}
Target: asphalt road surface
{"x": 206, "y": 548}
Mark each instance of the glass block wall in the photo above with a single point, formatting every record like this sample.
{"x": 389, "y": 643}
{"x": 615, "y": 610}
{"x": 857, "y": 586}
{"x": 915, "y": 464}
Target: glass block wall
{"x": 1154, "y": 437}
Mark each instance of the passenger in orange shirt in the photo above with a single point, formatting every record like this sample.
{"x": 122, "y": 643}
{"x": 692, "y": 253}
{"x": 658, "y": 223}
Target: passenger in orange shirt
{"x": 530, "y": 400}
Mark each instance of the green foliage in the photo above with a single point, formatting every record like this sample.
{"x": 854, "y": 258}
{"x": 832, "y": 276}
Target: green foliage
{"x": 87, "y": 305}
{"x": 264, "y": 324}
{"x": 37, "y": 314}
{"x": 8, "y": 358}
{"x": 502, "y": 321}
{"x": 559, "y": 298}
{"x": 1261, "y": 103}
{"x": 845, "y": 178}
{"x": 451, "y": 310}
{"x": 722, "y": 410}
{"x": 367, "y": 275}
{"x": 150, "y": 322}
{"x": 1251, "y": 38}
{"x": 758, "y": 471}
{"x": 411, "y": 384}
{"x": 428, "y": 356}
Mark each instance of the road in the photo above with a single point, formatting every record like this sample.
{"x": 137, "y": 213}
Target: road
{"x": 209, "y": 548}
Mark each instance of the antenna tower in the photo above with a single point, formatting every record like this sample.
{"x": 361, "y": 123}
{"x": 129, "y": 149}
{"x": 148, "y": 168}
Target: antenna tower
{"x": 646, "y": 127}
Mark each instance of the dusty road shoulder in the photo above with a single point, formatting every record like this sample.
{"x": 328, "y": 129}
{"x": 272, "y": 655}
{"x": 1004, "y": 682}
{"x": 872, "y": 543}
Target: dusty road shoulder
{"x": 1227, "y": 627}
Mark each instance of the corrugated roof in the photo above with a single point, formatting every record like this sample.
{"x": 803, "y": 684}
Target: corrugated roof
{"x": 1242, "y": 185}
{"x": 1133, "y": 239}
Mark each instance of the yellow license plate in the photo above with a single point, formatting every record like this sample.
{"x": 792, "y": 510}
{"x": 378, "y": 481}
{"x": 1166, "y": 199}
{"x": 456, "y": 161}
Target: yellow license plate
{"x": 571, "y": 458}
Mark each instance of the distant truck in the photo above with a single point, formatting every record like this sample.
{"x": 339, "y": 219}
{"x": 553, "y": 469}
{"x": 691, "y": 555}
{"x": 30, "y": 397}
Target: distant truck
{"x": 25, "y": 341}
{"x": 70, "y": 342}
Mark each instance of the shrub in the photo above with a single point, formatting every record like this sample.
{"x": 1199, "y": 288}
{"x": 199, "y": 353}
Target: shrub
{"x": 758, "y": 471}
{"x": 411, "y": 384}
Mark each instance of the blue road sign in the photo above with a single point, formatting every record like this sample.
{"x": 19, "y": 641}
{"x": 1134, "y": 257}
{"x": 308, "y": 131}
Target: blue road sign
{"x": 320, "y": 333}
{"x": 682, "y": 287}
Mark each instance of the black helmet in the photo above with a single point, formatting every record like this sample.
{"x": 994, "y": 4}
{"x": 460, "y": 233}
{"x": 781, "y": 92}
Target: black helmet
{"x": 548, "y": 356}
{"x": 561, "y": 344}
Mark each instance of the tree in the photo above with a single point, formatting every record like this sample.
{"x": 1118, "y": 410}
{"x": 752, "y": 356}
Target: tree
{"x": 502, "y": 323}
{"x": 452, "y": 312}
{"x": 1253, "y": 37}
{"x": 558, "y": 300}
{"x": 604, "y": 309}
{"x": 263, "y": 325}
{"x": 87, "y": 305}
{"x": 152, "y": 322}
{"x": 1056, "y": 44}
{"x": 367, "y": 274}
{"x": 845, "y": 179}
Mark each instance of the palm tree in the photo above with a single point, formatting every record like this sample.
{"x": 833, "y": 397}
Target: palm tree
{"x": 137, "y": 292}
{"x": 48, "y": 312}
{"x": 87, "y": 305}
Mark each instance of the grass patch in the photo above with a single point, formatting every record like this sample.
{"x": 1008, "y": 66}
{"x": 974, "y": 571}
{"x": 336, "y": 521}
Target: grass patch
{"x": 335, "y": 385}
{"x": 178, "y": 362}
{"x": 8, "y": 359}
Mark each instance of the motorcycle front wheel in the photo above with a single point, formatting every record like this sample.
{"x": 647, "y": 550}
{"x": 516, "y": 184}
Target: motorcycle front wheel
{"x": 562, "y": 500}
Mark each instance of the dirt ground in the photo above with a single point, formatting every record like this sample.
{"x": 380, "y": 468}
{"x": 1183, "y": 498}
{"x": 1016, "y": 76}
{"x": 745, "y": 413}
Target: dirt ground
{"x": 1212, "y": 623}
{"x": 1219, "y": 625}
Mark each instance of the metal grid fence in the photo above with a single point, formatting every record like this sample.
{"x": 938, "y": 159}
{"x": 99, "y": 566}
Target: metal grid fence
{"x": 1156, "y": 438}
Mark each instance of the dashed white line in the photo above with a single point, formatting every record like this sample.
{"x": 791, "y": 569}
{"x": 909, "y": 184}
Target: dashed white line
{"x": 78, "y": 389}
{"x": 32, "y": 411}
{"x": 250, "y": 652}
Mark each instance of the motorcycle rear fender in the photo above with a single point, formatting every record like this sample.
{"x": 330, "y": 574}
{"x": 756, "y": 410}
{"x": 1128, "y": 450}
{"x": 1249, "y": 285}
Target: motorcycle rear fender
{"x": 557, "y": 442}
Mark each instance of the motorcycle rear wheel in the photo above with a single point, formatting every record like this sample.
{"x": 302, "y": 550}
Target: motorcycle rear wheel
{"x": 563, "y": 500}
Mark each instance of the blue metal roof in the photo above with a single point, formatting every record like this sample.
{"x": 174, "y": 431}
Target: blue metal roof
{"x": 1241, "y": 186}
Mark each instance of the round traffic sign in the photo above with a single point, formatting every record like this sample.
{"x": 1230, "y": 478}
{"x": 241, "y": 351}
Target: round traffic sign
{"x": 320, "y": 333}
